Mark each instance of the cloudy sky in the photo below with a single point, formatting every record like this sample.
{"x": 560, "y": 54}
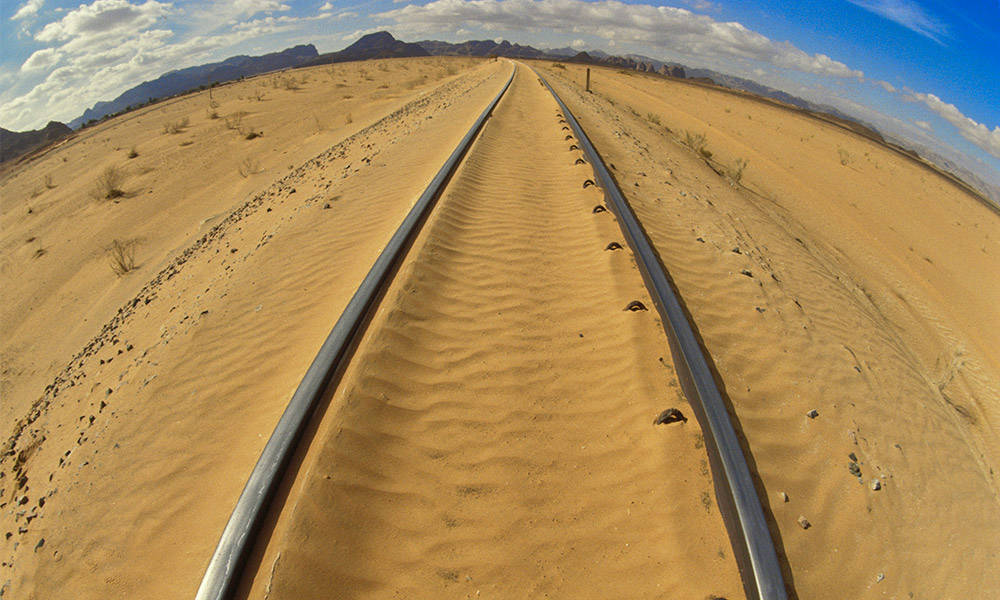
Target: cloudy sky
{"x": 927, "y": 71}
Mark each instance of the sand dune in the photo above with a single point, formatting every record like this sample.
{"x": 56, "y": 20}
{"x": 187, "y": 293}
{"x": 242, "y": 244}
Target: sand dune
{"x": 864, "y": 290}
{"x": 493, "y": 436}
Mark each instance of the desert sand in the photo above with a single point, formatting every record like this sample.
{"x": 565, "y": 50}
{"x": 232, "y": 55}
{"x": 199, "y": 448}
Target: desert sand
{"x": 478, "y": 443}
{"x": 840, "y": 276}
{"x": 493, "y": 435}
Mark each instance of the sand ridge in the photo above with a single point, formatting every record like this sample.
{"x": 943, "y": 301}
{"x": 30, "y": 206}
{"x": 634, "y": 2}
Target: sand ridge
{"x": 810, "y": 294}
{"x": 493, "y": 435}
{"x": 139, "y": 458}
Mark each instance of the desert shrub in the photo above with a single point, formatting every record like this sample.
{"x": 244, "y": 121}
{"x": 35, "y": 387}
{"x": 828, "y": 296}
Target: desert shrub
{"x": 451, "y": 71}
{"x": 558, "y": 66}
{"x": 695, "y": 141}
{"x": 654, "y": 119}
{"x": 132, "y": 153}
{"x": 250, "y": 134}
{"x": 736, "y": 173}
{"x": 235, "y": 120}
{"x": 109, "y": 183}
{"x": 175, "y": 126}
{"x": 289, "y": 83}
{"x": 121, "y": 255}
{"x": 248, "y": 166}
{"x": 212, "y": 113}
{"x": 259, "y": 94}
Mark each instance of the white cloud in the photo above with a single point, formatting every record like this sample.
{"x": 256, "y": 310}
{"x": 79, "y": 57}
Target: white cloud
{"x": 41, "y": 59}
{"x": 102, "y": 18}
{"x": 577, "y": 44}
{"x": 663, "y": 27}
{"x": 327, "y": 6}
{"x": 907, "y": 13}
{"x": 923, "y": 125}
{"x": 28, "y": 9}
{"x": 977, "y": 133}
{"x": 885, "y": 85}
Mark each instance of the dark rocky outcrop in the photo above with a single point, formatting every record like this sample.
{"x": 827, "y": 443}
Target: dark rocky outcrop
{"x": 371, "y": 46}
{"x": 17, "y": 143}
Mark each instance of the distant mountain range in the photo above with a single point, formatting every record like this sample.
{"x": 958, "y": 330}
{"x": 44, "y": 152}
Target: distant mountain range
{"x": 16, "y": 143}
{"x": 183, "y": 80}
{"x": 384, "y": 45}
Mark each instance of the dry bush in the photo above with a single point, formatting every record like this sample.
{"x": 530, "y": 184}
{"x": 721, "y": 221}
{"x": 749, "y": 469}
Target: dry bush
{"x": 382, "y": 66}
{"x": 695, "y": 141}
{"x": 259, "y": 94}
{"x": 289, "y": 83}
{"x": 133, "y": 152}
{"x": 212, "y": 113}
{"x": 109, "y": 184}
{"x": 451, "y": 71}
{"x": 248, "y": 166}
{"x": 121, "y": 255}
{"x": 654, "y": 119}
{"x": 235, "y": 120}
{"x": 845, "y": 156}
{"x": 558, "y": 66}
{"x": 175, "y": 126}
{"x": 736, "y": 173}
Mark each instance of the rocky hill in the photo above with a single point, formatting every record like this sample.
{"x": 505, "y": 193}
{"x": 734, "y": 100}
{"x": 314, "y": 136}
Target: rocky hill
{"x": 183, "y": 80}
{"x": 14, "y": 144}
{"x": 371, "y": 46}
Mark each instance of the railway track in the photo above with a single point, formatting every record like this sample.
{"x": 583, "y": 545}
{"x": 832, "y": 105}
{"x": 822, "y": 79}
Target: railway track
{"x": 485, "y": 405}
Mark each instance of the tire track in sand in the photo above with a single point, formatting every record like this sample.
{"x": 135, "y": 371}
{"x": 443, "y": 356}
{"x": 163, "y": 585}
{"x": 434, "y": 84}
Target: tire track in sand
{"x": 492, "y": 436}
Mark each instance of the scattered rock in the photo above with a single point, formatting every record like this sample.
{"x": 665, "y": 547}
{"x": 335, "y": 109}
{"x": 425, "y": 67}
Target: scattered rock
{"x": 702, "y": 240}
{"x": 812, "y": 414}
{"x": 804, "y": 523}
{"x": 327, "y": 205}
{"x": 41, "y": 542}
{"x": 671, "y": 415}
{"x": 879, "y": 577}
{"x": 854, "y": 469}
{"x": 736, "y": 250}
{"x": 746, "y": 272}
{"x": 784, "y": 496}
{"x": 876, "y": 485}
{"x": 761, "y": 310}
{"x": 853, "y": 457}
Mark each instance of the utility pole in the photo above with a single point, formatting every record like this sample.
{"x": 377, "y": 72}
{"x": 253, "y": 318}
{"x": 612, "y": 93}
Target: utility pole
{"x": 588, "y": 79}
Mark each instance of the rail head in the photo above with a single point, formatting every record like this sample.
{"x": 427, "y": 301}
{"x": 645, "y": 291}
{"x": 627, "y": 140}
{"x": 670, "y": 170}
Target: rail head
{"x": 738, "y": 501}
{"x": 225, "y": 567}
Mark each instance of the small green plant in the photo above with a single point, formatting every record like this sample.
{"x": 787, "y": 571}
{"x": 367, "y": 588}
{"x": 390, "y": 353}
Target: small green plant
{"x": 654, "y": 119}
{"x": 109, "y": 184}
{"x": 121, "y": 255}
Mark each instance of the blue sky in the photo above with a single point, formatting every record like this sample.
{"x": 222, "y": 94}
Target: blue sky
{"x": 924, "y": 71}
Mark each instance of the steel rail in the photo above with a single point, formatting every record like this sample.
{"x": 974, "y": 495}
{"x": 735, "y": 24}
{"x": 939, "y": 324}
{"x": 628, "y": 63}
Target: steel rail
{"x": 738, "y": 501}
{"x": 235, "y": 544}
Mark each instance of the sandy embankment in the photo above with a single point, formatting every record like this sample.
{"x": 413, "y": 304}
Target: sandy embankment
{"x": 493, "y": 435}
{"x": 134, "y": 467}
{"x": 843, "y": 278}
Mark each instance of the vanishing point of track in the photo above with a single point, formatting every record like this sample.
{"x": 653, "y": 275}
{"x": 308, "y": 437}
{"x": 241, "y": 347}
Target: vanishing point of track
{"x": 735, "y": 492}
